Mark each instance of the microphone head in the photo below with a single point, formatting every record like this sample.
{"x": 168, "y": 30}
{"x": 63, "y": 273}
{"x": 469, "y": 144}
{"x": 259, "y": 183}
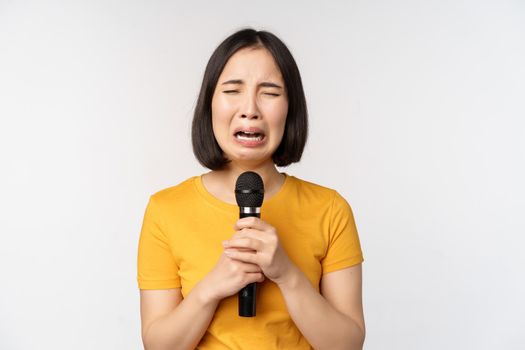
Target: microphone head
{"x": 249, "y": 190}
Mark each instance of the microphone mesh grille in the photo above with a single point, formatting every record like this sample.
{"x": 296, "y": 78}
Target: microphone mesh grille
{"x": 249, "y": 190}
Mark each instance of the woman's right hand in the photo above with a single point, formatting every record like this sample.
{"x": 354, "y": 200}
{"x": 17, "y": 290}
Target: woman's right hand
{"x": 228, "y": 277}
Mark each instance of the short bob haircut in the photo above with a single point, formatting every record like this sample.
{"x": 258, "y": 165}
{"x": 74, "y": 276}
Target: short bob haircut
{"x": 205, "y": 146}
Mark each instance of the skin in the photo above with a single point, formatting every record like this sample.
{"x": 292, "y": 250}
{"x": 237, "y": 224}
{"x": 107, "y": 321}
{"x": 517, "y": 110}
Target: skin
{"x": 250, "y": 103}
{"x": 330, "y": 320}
{"x": 250, "y": 92}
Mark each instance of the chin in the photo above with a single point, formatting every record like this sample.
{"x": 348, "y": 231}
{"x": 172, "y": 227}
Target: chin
{"x": 250, "y": 159}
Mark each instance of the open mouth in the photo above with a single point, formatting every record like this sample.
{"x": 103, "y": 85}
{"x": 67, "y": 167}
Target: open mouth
{"x": 250, "y": 136}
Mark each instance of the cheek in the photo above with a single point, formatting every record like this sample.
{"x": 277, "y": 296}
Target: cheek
{"x": 221, "y": 104}
{"x": 219, "y": 113}
{"x": 279, "y": 113}
{"x": 281, "y": 109}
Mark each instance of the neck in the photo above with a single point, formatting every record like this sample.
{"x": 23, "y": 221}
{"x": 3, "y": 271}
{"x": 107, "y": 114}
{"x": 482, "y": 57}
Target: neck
{"x": 227, "y": 176}
{"x": 268, "y": 172}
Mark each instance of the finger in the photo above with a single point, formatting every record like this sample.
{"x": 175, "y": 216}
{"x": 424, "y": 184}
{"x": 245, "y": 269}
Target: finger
{"x": 251, "y": 222}
{"x": 249, "y": 268}
{"x": 250, "y": 233}
{"x": 244, "y": 242}
{"x": 248, "y": 257}
{"x": 255, "y": 277}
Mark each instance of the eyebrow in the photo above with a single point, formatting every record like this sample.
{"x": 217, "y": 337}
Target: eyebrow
{"x": 263, "y": 84}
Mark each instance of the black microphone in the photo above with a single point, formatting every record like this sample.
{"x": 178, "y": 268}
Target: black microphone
{"x": 249, "y": 193}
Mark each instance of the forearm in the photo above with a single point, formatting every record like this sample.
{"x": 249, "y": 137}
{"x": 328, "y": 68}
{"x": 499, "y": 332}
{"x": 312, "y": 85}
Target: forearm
{"x": 184, "y": 326}
{"x": 321, "y": 324}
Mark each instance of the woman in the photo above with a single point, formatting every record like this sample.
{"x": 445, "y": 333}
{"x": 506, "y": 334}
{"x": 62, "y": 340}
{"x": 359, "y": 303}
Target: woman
{"x": 304, "y": 252}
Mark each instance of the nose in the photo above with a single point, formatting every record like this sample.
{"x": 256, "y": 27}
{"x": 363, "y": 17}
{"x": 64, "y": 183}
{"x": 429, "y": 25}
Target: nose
{"x": 249, "y": 108}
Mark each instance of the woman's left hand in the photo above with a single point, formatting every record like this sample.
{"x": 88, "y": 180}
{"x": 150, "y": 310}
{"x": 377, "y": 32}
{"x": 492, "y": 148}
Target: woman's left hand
{"x": 256, "y": 242}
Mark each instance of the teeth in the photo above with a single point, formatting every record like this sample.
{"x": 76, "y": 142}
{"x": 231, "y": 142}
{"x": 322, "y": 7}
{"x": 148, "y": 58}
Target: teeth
{"x": 248, "y": 136}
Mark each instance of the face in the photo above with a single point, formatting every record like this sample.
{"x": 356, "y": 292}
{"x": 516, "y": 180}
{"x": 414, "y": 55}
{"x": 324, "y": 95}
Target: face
{"x": 249, "y": 107}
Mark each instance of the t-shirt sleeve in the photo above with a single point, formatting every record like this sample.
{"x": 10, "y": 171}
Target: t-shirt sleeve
{"x": 344, "y": 248}
{"x": 156, "y": 267}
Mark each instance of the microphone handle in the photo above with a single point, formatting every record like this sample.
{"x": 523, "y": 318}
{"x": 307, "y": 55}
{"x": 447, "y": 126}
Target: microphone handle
{"x": 247, "y": 295}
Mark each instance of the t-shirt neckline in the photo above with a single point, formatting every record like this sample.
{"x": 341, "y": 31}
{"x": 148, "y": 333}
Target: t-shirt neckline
{"x": 229, "y": 207}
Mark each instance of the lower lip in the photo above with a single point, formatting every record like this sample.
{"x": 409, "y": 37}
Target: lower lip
{"x": 250, "y": 143}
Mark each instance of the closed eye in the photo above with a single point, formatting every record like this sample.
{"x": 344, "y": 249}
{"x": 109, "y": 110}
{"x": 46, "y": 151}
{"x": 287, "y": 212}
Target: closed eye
{"x": 237, "y": 91}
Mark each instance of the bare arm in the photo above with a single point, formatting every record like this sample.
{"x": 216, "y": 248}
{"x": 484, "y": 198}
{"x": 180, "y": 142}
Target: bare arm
{"x": 333, "y": 320}
{"x": 165, "y": 318}
{"x": 171, "y": 322}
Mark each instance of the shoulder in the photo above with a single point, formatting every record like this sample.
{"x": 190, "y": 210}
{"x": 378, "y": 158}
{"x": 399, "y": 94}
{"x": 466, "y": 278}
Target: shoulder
{"x": 321, "y": 197}
{"x": 179, "y": 193}
{"x": 313, "y": 191}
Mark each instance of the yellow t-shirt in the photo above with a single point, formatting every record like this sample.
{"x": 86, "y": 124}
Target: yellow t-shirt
{"x": 181, "y": 241}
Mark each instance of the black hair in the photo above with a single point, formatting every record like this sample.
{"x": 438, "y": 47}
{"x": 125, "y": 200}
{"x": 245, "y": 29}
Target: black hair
{"x": 205, "y": 146}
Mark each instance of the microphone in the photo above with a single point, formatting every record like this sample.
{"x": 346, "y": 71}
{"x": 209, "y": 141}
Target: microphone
{"x": 249, "y": 194}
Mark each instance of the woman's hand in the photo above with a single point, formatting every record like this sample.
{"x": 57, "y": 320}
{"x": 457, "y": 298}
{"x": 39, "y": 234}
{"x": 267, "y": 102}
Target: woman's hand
{"x": 228, "y": 277}
{"x": 256, "y": 242}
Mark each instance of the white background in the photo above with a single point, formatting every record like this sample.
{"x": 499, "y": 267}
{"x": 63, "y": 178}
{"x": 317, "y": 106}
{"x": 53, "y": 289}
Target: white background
{"x": 417, "y": 119}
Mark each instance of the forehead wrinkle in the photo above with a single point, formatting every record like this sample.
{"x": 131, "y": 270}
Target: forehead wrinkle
{"x": 243, "y": 69}
{"x": 262, "y": 84}
{"x": 233, "y": 81}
